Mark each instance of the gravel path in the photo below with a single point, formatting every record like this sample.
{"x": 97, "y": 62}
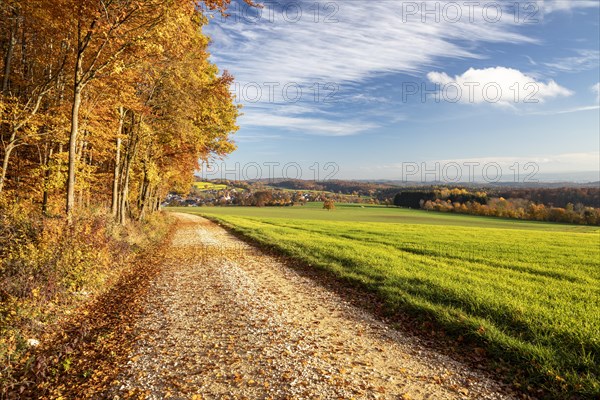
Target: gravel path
{"x": 224, "y": 320}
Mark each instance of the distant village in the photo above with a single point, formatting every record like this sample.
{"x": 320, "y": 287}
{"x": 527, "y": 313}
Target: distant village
{"x": 258, "y": 197}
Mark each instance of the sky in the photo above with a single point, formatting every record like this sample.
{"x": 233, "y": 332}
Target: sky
{"x": 451, "y": 91}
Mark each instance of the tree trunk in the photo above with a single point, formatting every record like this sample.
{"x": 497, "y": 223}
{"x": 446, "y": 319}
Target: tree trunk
{"x": 81, "y": 156}
{"x": 143, "y": 197}
{"x": 115, "y": 193}
{"x": 88, "y": 193}
{"x": 9, "y": 55}
{"x": 73, "y": 151}
{"x": 77, "y": 89}
{"x": 129, "y": 157}
{"x": 7, "y": 152}
{"x": 124, "y": 196}
{"x": 157, "y": 199}
{"x": 5, "y": 160}
{"x": 46, "y": 180}
{"x": 151, "y": 200}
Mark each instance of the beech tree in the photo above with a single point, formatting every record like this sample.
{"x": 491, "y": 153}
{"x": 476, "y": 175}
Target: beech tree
{"x": 32, "y": 66}
{"x": 111, "y": 102}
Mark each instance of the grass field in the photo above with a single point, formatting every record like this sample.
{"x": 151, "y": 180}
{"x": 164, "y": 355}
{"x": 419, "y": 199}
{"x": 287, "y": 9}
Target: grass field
{"x": 209, "y": 186}
{"x": 528, "y": 291}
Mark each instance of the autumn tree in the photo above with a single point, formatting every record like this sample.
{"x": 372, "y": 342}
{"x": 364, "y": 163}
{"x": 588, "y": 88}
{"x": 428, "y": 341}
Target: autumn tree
{"x": 34, "y": 60}
{"x": 329, "y": 205}
{"x": 109, "y": 101}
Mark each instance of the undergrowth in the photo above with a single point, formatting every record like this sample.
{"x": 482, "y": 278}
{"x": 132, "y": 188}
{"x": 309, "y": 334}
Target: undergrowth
{"x": 50, "y": 268}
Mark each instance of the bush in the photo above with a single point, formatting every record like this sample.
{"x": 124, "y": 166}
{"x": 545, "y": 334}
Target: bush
{"x": 48, "y": 267}
{"x": 329, "y": 205}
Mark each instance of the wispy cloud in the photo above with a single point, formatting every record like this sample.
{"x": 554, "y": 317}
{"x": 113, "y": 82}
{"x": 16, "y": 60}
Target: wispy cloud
{"x": 347, "y": 44}
{"x": 527, "y": 165}
{"x": 566, "y": 111}
{"x": 583, "y": 61}
{"x": 596, "y": 89}
{"x": 595, "y": 107}
{"x": 363, "y": 38}
{"x": 550, "y": 6}
{"x": 245, "y": 138}
{"x": 307, "y": 125}
{"x": 584, "y": 161}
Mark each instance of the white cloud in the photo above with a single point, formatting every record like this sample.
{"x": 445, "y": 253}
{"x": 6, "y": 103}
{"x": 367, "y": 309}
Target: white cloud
{"x": 500, "y": 86}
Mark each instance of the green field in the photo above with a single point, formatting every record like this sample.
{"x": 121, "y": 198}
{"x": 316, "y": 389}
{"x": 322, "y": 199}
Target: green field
{"x": 528, "y": 291}
{"x": 209, "y": 186}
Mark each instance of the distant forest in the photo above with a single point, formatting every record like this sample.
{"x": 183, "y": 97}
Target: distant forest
{"x": 577, "y": 203}
{"x": 567, "y": 205}
{"x": 588, "y": 196}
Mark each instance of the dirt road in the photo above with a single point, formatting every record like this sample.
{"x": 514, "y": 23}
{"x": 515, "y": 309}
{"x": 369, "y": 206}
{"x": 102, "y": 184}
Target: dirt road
{"x": 225, "y": 320}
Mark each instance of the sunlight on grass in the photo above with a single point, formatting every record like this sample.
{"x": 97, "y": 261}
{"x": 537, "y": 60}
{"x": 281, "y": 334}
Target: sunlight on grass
{"x": 529, "y": 291}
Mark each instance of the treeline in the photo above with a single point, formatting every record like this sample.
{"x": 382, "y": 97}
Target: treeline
{"x": 556, "y": 197}
{"x": 588, "y": 196}
{"x": 336, "y": 186}
{"x": 107, "y": 102}
{"x": 416, "y": 198}
{"x": 478, "y": 203}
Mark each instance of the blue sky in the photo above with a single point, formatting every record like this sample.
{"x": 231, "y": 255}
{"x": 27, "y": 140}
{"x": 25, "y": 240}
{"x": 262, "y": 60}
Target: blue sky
{"x": 371, "y": 89}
